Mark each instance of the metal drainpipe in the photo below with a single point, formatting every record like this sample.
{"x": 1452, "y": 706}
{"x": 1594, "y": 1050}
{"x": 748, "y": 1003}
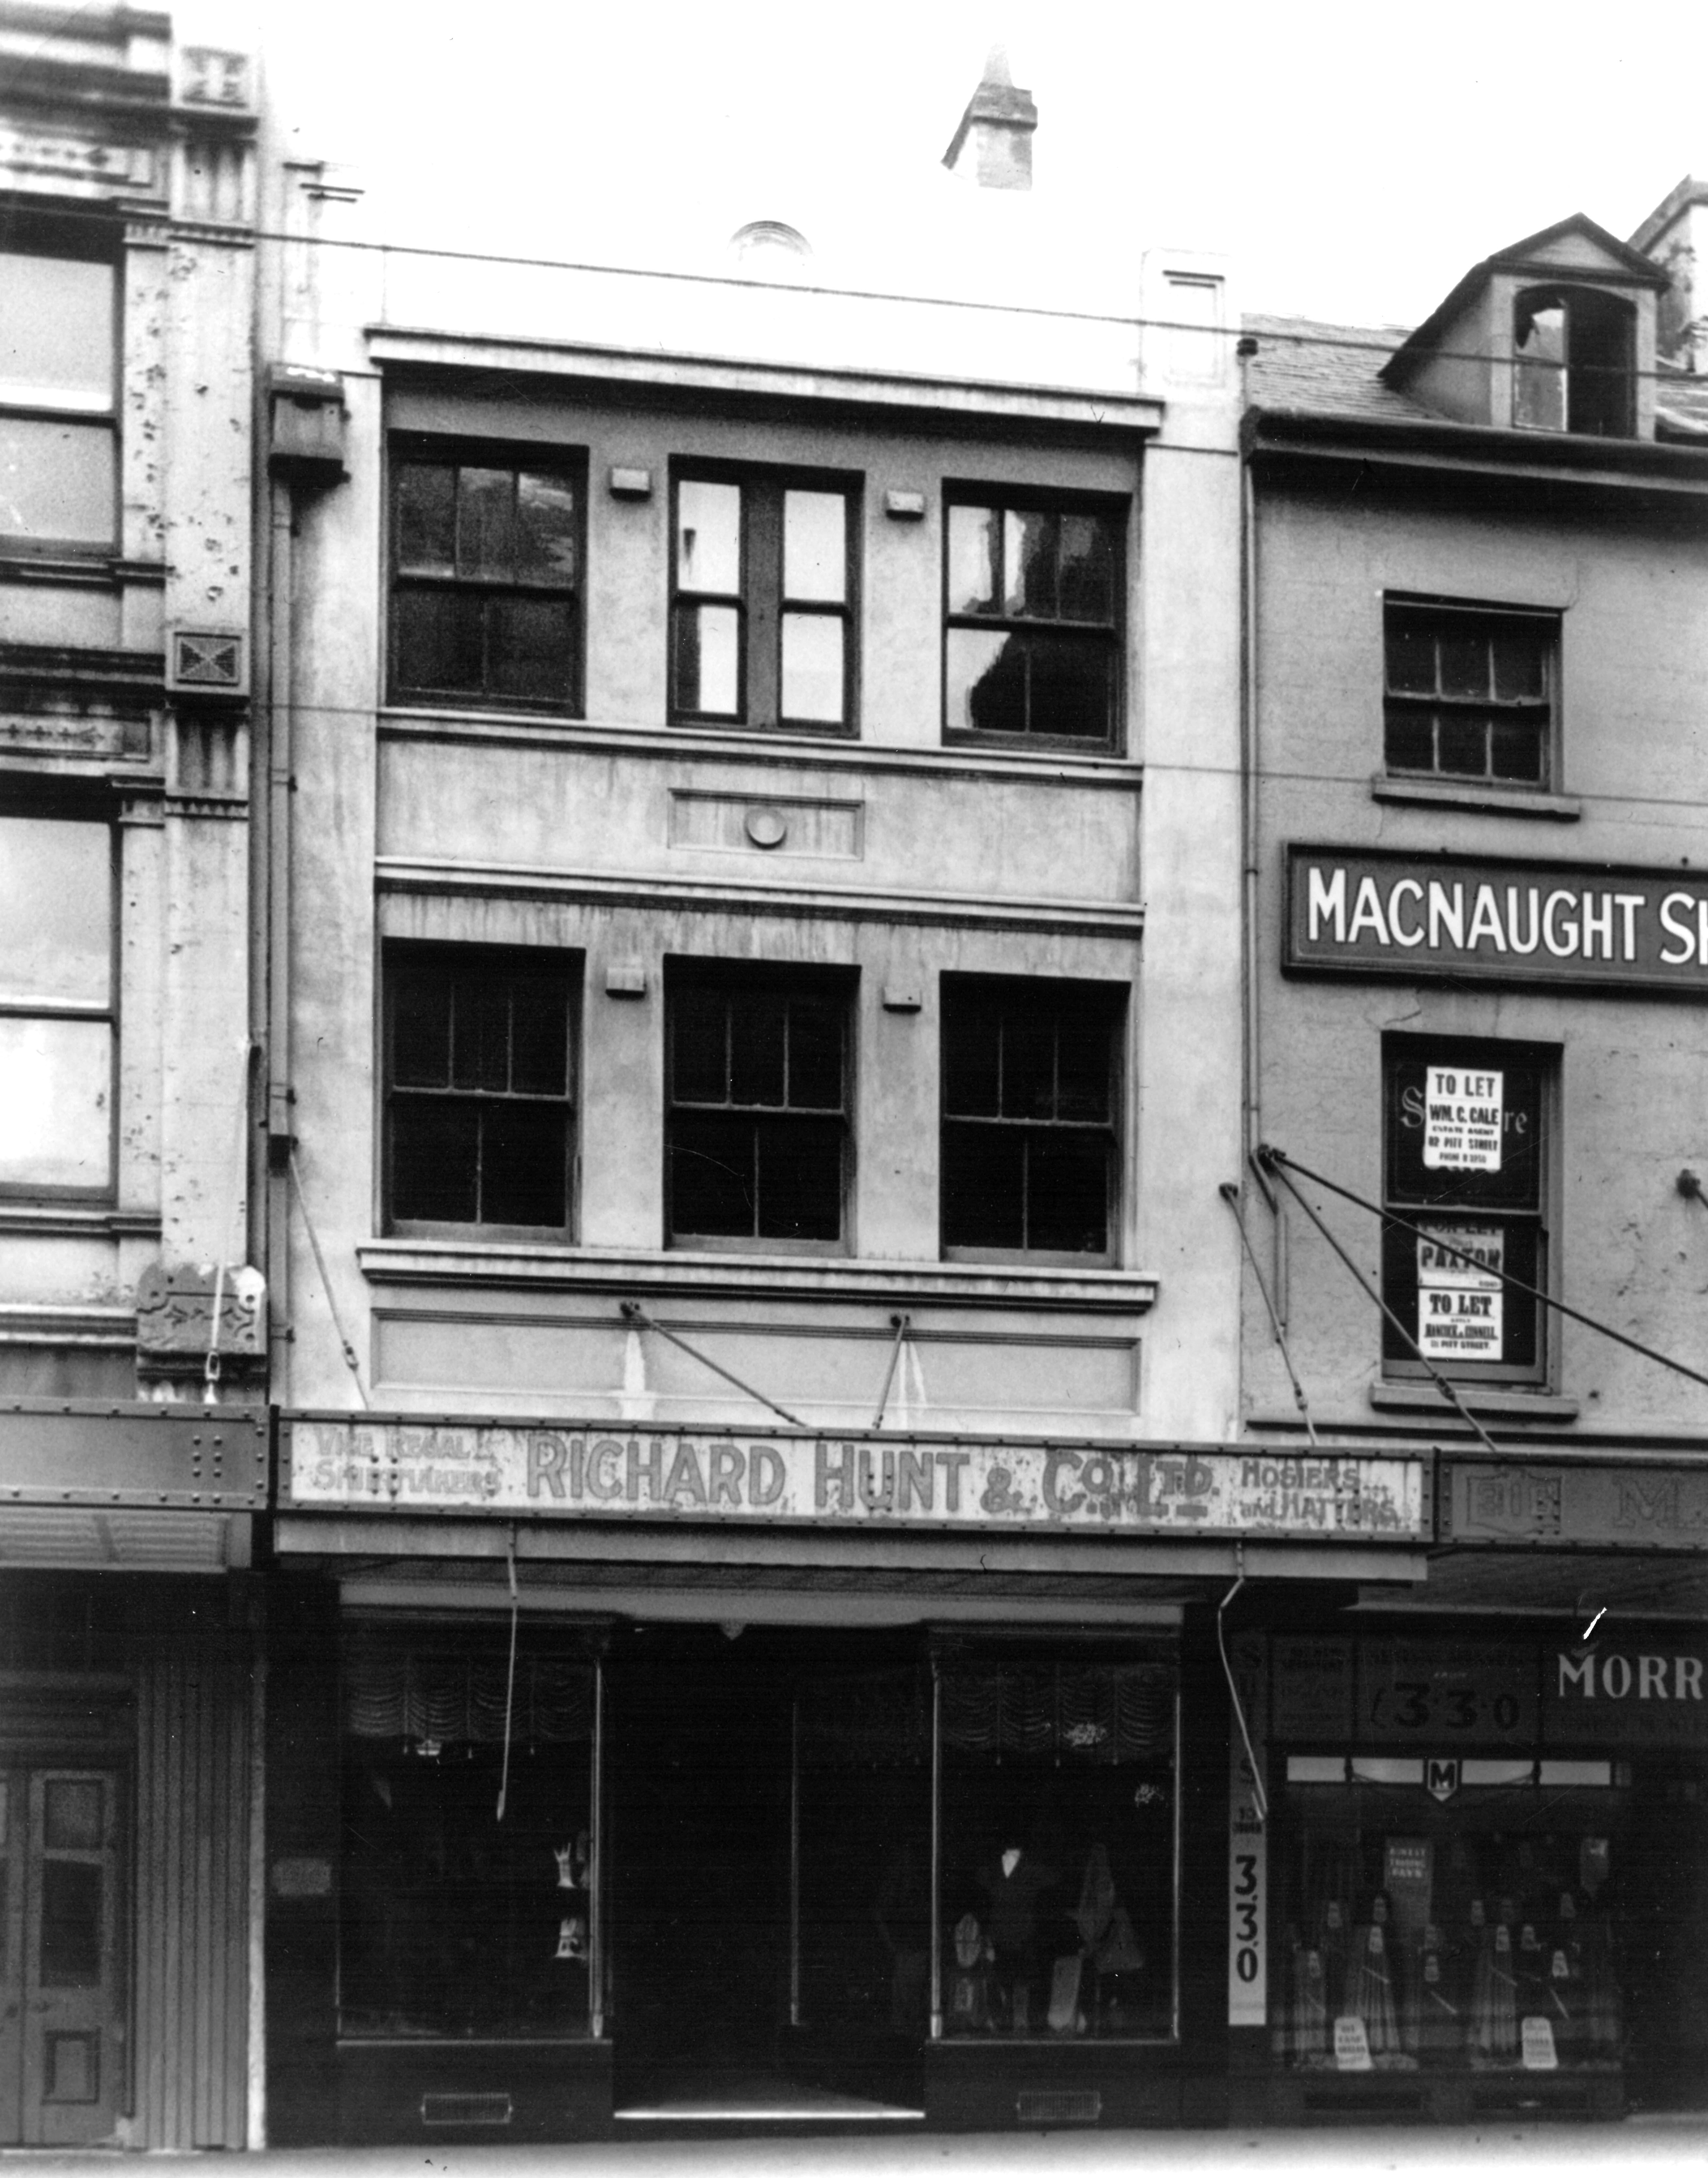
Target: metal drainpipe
{"x": 280, "y": 1118}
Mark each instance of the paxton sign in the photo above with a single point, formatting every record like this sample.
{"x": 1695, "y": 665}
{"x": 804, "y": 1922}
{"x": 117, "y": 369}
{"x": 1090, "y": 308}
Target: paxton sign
{"x": 613, "y": 1473}
{"x": 1583, "y": 923}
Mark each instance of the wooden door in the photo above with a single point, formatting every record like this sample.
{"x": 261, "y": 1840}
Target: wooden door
{"x": 61, "y": 1998}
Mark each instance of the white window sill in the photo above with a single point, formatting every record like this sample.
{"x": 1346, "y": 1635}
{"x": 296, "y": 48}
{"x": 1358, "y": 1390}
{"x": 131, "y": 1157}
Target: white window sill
{"x": 1474, "y": 795}
{"x": 638, "y": 1271}
{"x": 1482, "y": 1399}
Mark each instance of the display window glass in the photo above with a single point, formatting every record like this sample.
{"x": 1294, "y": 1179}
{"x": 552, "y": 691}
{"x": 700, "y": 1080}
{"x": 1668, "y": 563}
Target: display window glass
{"x": 1059, "y": 1838}
{"x": 469, "y": 1903}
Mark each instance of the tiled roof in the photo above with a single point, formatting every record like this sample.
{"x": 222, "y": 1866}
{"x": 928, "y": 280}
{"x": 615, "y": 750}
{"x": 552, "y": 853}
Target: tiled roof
{"x": 1328, "y": 370}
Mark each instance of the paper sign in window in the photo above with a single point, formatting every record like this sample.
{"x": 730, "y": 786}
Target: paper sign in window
{"x": 1464, "y": 1112}
{"x": 1460, "y": 1293}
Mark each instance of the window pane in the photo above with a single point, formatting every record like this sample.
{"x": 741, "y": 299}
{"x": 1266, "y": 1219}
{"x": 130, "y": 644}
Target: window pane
{"x": 540, "y": 1036}
{"x": 1464, "y": 652}
{"x": 1410, "y": 659}
{"x": 972, "y": 1059}
{"x": 800, "y": 1179}
{"x": 813, "y": 667}
{"x": 1082, "y": 1067}
{"x": 547, "y": 530}
{"x": 57, "y": 481}
{"x": 71, "y": 1814}
{"x": 1411, "y": 739}
{"x": 56, "y": 331}
{"x": 531, "y": 649}
{"x": 708, "y": 659}
{"x": 71, "y": 1916}
{"x": 480, "y": 1033}
{"x": 699, "y": 1062}
{"x": 55, "y": 910}
{"x": 440, "y": 639}
{"x": 709, "y": 539}
{"x": 815, "y": 545}
{"x": 712, "y": 1175}
{"x": 1516, "y": 1185}
{"x": 427, "y": 517}
{"x": 756, "y": 1032}
{"x": 1072, "y": 686}
{"x": 1088, "y": 567}
{"x": 1515, "y": 750}
{"x": 486, "y": 543}
{"x": 1520, "y": 663}
{"x": 1067, "y": 1191}
{"x": 987, "y": 683}
{"x": 1028, "y": 563}
{"x": 1539, "y": 378}
{"x": 523, "y": 1165}
{"x": 55, "y": 1086}
{"x": 421, "y": 1029}
{"x": 815, "y": 1057}
{"x": 1029, "y": 1065}
{"x": 984, "y": 1186}
{"x": 435, "y": 1159}
{"x": 1463, "y": 745}
{"x": 972, "y": 559}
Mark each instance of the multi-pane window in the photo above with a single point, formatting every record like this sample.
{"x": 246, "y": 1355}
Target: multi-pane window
{"x": 1572, "y": 362}
{"x": 1466, "y": 1162}
{"x": 479, "y": 1087}
{"x": 57, "y": 1010}
{"x": 763, "y": 613}
{"x": 58, "y": 406}
{"x": 1469, "y": 691}
{"x": 756, "y": 1129}
{"x": 1029, "y": 1135}
{"x": 487, "y": 577}
{"x": 1033, "y": 606}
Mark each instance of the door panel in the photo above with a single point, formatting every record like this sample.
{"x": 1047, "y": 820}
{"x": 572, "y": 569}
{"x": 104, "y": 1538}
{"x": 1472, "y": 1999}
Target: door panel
{"x": 13, "y": 1803}
{"x": 71, "y": 1982}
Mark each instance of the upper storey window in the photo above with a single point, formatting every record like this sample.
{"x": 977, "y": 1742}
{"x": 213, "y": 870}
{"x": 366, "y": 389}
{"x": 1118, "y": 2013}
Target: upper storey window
{"x": 1469, "y": 691}
{"x": 59, "y": 405}
{"x": 486, "y": 577}
{"x": 1032, "y": 609}
{"x": 762, "y": 623}
{"x": 1572, "y": 362}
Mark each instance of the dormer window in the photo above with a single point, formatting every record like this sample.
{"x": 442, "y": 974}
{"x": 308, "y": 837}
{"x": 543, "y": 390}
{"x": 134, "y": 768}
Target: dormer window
{"x": 1572, "y": 362}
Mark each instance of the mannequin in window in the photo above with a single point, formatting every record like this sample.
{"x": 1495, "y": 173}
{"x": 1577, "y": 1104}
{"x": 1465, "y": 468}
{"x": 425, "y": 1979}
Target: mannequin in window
{"x": 1015, "y": 1884}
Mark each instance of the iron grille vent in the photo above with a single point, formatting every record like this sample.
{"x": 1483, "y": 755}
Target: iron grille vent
{"x": 1059, "y": 2106}
{"x": 466, "y": 2110}
{"x": 209, "y": 658}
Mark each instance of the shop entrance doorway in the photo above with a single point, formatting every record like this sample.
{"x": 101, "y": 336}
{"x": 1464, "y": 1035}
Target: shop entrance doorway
{"x": 767, "y": 1961}
{"x": 61, "y": 2022}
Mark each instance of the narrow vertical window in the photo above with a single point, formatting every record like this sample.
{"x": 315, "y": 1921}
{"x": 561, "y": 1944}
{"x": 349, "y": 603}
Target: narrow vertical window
{"x": 58, "y": 1013}
{"x": 58, "y": 393}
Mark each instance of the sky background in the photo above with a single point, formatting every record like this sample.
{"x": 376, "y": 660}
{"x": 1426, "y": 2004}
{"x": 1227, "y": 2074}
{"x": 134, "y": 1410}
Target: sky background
{"x": 1354, "y": 160}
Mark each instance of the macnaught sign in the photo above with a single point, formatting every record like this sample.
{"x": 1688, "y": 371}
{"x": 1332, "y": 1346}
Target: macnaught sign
{"x": 602, "y": 1471}
{"x": 1377, "y": 913}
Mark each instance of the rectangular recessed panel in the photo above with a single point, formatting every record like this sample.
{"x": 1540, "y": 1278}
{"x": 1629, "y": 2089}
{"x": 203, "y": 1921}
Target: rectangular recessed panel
{"x": 72, "y": 2068}
{"x": 1575, "y": 1773}
{"x": 1316, "y": 1769}
{"x": 466, "y": 2110}
{"x": 1387, "y": 1769}
{"x": 1058, "y": 2106}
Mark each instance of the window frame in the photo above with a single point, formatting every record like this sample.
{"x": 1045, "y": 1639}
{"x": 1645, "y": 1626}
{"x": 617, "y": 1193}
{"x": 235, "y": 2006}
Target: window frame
{"x": 760, "y": 608}
{"x": 75, "y": 811}
{"x": 1002, "y": 499}
{"x": 838, "y": 987}
{"x": 549, "y": 458}
{"x": 453, "y": 956}
{"x": 1607, "y": 410}
{"x": 1437, "y": 612}
{"x": 1542, "y": 1218}
{"x": 1104, "y": 1003}
{"x": 30, "y": 233}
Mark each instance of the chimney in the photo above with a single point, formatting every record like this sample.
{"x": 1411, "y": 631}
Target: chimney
{"x": 993, "y": 144}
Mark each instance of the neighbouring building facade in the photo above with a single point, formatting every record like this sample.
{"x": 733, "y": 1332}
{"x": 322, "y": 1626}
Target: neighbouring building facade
{"x": 133, "y": 1437}
{"x": 1476, "y": 563}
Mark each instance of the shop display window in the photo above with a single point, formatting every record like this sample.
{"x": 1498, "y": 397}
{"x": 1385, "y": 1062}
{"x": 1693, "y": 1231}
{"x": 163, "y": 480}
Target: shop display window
{"x": 468, "y": 1886}
{"x": 1058, "y": 1848}
{"x": 1486, "y": 1930}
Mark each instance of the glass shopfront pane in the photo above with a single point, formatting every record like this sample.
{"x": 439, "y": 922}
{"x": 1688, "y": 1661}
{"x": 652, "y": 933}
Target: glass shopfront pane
{"x": 56, "y": 1103}
{"x": 456, "y": 1918}
{"x": 56, "y": 911}
{"x": 1057, "y": 1887}
{"x": 57, "y": 481}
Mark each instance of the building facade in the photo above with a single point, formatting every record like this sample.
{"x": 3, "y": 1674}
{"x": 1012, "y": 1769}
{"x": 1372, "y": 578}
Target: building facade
{"x": 1477, "y": 557}
{"x": 133, "y": 1443}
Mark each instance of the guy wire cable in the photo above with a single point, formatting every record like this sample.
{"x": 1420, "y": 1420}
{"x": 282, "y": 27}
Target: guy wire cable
{"x": 1279, "y": 1159}
{"x": 1258, "y": 1794}
{"x": 1435, "y": 1376}
{"x": 637, "y": 1315}
{"x": 1230, "y": 1193}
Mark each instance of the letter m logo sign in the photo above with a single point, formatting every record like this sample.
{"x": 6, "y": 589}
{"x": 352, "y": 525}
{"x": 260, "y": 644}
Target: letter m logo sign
{"x": 1441, "y": 1776}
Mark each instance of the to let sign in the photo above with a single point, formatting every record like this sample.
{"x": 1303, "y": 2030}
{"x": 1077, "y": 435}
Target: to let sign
{"x": 601, "y": 1472}
{"x": 1589, "y": 924}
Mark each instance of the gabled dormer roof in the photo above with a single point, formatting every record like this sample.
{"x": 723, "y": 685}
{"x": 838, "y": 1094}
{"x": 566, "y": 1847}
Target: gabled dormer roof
{"x": 1573, "y": 248}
